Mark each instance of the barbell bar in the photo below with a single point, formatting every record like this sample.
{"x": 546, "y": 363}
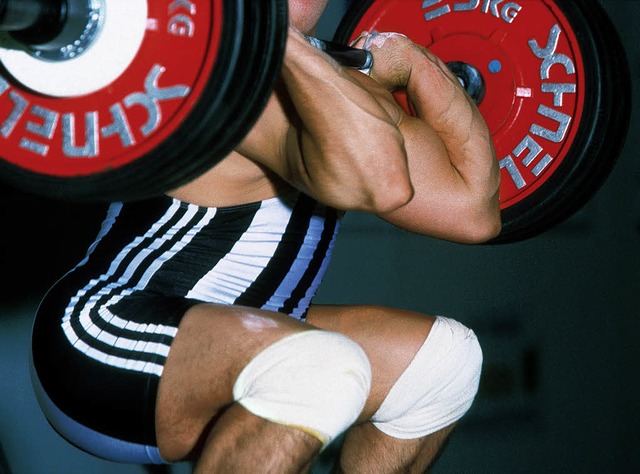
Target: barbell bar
{"x": 111, "y": 100}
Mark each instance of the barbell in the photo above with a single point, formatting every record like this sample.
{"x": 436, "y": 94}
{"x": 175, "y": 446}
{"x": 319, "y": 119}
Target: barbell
{"x": 106, "y": 100}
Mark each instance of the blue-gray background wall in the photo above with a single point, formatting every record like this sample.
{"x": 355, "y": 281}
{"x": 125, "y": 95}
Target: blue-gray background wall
{"x": 557, "y": 316}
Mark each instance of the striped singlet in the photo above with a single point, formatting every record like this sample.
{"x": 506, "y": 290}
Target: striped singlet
{"x": 103, "y": 332}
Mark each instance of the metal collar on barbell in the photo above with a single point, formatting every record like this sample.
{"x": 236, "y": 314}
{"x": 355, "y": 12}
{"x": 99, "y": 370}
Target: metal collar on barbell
{"x": 62, "y": 29}
{"x": 95, "y": 44}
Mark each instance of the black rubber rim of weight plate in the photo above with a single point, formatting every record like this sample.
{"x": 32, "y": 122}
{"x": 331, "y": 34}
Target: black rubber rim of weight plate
{"x": 601, "y": 135}
{"x": 247, "y": 66}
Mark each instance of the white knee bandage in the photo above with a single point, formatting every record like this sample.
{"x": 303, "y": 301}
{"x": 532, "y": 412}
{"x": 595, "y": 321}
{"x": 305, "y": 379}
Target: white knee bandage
{"x": 316, "y": 381}
{"x": 437, "y": 388}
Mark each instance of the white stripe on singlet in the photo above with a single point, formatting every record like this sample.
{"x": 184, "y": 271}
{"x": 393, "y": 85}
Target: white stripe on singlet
{"x": 110, "y": 338}
{"x": 249, "y": 256}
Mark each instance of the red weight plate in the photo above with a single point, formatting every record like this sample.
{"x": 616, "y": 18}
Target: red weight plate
{"x": 530, "y": 60}
{"x": 108, "y": 128}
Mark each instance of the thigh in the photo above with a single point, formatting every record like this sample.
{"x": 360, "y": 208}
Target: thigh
{"x": 390, "y": 337}
{"x": 212, "y": 345}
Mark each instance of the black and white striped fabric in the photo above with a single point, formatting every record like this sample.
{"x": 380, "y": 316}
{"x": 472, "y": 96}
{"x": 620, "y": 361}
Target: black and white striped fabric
{"x": 268, "y": 255}
{"x": 103, "y": 332}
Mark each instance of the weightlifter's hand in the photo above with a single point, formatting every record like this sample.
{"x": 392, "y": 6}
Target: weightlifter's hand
{"x": 433, "y": 89}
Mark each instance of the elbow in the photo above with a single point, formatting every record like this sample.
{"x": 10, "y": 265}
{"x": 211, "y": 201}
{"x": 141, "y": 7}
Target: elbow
{"x": 483, "y": 230}
{"x": 390, "y": 195}
{"x": 483, "y": 222}
{"x": 389, "y": 191}
{"x": 484, "y": 217}
{"x": 386, "y": 184}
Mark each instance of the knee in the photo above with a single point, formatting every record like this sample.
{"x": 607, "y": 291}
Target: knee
{"x": 437, "y": 388}
{"x": 316, "y": 381}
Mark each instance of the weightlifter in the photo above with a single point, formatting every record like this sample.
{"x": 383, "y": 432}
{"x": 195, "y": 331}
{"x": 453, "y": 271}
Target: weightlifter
{"x": 188, "y": 330}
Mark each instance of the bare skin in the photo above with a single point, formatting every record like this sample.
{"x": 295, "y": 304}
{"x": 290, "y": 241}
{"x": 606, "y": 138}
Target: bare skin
{"x": 196, "y": 416}
{"x": 214, "y": 343}
{"x": 338, "y": 136}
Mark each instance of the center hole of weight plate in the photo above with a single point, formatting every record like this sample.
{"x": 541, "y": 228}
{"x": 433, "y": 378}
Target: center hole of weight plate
{"x": 54, "y": 30}
{"x": 86, "y": 46}
{"x": 470, "y": 78}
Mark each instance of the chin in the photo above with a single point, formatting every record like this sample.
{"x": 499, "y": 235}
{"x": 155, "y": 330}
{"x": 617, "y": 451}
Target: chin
{"x": 305, "y": 14}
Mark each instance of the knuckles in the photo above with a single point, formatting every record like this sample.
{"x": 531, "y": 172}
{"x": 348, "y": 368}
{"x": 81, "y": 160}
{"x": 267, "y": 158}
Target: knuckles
{"x": 392, "y": 57}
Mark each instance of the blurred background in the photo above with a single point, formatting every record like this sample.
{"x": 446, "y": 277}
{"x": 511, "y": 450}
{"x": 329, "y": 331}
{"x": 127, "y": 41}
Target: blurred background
{"x": 557, "y": 316}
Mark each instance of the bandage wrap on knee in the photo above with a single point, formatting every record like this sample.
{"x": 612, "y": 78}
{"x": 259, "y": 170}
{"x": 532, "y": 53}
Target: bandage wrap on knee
{"x": 316, "y": 381}
{"x": 438, "y": 386}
